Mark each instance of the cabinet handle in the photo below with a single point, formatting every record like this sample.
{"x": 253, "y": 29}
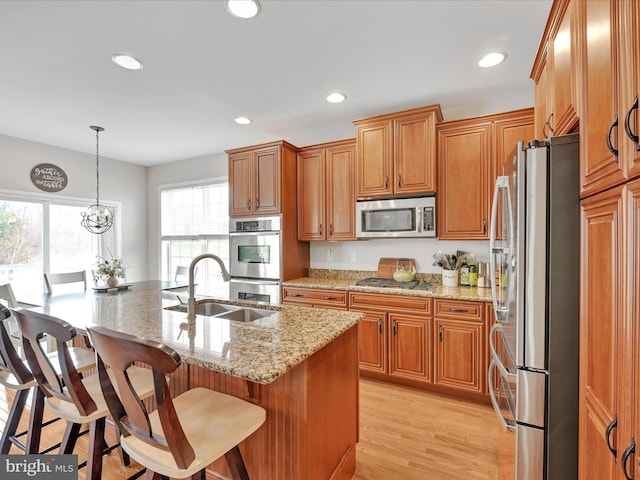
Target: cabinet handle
{"x": 331, "y": 229}
{"x": 625, "y": 456}
{"x": 399, "y": 181}
{"x": 320, "y": 229}
{"x": 607, "y": 433}
{"x": 484, "y": 226}
{"x": 548, "y": 124}
{"x": 386, "y": 181}
{"x": 248, "y": 204}
{"x": 609, "y": 144}
{"x": 459, "y": 310}
{"x": 380, "y": 326}
{"x": 296, "y": 295}
{"x": 395, "y": 327}
{"x": 627, "y": 125}
{"x": 257, "y": 202}
{"x": 331, "y": 298}
{"x": 440, "y": 333}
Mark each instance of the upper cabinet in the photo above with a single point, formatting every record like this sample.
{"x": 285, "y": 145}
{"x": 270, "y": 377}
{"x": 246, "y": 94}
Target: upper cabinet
{"x": 396, "y": 153}
{"x": 326, "y": 191}
{"x": 555, "y": 73}
{"x": 629, "y": 63}
{"x": 257, "y": 183}
{"x": 470, "y": 156}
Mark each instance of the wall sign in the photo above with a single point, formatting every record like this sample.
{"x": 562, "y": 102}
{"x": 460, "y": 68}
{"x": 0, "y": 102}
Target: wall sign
{"x": 48, "y": 177}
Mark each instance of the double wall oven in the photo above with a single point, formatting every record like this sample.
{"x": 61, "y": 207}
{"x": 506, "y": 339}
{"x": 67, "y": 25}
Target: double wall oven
{"x": 255, "y": 250}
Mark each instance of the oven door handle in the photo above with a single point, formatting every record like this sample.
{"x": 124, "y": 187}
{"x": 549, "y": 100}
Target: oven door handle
{"x": 253, "y": 234}
{"x": 254, "y": 282}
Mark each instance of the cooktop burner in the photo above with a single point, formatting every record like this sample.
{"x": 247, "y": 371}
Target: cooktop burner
{"x": 386, "y": 283}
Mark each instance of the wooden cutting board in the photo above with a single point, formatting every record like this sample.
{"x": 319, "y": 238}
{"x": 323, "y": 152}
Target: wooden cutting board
{"x": 386, "y": 266}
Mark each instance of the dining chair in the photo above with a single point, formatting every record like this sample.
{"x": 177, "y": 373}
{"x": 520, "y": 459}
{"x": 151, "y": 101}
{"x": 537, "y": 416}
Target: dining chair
{"x": 184, "y": 434}
{"x": 15, "y": 375}
{"x": 182, "y": 274}
{"x": 68, "y": 277}
{"x": 74, "y": 398}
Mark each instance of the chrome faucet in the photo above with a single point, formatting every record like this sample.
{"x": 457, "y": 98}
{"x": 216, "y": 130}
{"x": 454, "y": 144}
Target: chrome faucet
{"x": 191, "y": 306}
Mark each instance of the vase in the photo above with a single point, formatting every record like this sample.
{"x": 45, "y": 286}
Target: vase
{"x": 112, "y": 281}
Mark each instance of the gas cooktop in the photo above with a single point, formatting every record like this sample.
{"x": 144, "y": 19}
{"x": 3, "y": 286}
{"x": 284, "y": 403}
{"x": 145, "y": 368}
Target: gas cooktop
{"x": 390, "y": 283}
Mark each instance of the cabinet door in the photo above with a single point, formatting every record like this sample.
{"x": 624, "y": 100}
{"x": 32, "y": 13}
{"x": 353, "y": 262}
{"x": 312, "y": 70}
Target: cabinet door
{"x": 463, "y": 177}
{"x": 633, "y": 300}
{"x": 600, "y": 168}
{"x": 374, "y": 159}
{"x": 315, "y": 297}
{"x": 630, "y": 87}
{"x": 311, "y": 195}
{"x": 415, "y": 154}
{"x": 340, "y": 193}
{"x": 410, "y": 347}
{"x": 459, "y": 354}
{"x": 601, "y": 328}
{"x": 267, "y": 181}
{"x": 240, "y": 183}
{"x": 372, "y": 341}
{"x": 541, "y": 102}
{"x": 562, "y": 48}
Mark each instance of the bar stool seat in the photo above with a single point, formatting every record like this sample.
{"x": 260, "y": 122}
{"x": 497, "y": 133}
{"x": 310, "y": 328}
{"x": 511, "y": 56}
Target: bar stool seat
{"x": 184, "y": 434}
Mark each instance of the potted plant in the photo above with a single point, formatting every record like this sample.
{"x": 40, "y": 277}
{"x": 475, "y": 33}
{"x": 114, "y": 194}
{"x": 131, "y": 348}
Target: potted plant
{"x": 110, "y": 269}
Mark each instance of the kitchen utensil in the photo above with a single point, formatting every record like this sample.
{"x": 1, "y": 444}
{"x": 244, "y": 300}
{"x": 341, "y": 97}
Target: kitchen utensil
{"x": 402, "y": 273}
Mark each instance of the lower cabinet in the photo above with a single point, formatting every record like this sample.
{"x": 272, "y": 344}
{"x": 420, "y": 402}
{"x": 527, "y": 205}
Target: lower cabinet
{"x": 459, "y": 346}
{"x": 394, "y": 337}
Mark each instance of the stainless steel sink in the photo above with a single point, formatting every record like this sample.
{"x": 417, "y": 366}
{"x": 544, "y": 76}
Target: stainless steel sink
{"x": 228, "y": 312}
{"x": 246, "y": 314}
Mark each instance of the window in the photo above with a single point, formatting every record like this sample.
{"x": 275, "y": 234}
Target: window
{"x": 195, "y": 220}
{"x": 38, "y": 236}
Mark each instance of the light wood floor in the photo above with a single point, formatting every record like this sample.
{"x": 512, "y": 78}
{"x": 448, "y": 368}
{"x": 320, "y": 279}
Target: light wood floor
{"x": 405, "y": 434}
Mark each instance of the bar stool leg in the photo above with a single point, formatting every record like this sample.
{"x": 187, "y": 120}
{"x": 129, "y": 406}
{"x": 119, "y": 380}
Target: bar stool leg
{"x": 236, "y": 464}
{"x": 95, "y": 450}
{"x": 17, "y": 407}
{"x": 35, "y": 422}
{"x": 69, "y": 439}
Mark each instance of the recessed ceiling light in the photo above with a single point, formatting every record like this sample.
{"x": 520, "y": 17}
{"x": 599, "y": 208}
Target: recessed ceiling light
{"x": 336, "y": 97}
{"x": 491, "y": 59}
{"x": 243, "y": 8}
{"x": 127, "y": 61}
{"x": 242, "y": 120}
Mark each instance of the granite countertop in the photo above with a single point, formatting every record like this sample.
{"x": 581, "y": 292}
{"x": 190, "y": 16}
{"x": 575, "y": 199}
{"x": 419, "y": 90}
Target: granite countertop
{"x": 424, "y": 289}
{"x": 259, "y": 351}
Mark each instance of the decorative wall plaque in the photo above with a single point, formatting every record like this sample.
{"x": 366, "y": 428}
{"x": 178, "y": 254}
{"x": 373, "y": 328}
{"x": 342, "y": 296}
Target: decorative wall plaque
{"x": 48, "y": 177}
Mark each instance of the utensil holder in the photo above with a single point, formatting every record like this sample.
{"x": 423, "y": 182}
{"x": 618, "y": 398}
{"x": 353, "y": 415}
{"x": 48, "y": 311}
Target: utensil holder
{"x": 450, "y": 278}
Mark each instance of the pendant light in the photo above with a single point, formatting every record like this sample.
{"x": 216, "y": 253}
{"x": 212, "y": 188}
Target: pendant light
{"x": 97, "y": 218}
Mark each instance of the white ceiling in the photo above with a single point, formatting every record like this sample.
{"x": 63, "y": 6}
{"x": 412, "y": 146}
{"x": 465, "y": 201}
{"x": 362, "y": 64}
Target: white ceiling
{"x": 203, "y": 67}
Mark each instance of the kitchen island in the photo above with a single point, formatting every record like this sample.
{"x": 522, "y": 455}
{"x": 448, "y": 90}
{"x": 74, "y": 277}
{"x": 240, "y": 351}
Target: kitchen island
{"x": 300, "y": 364}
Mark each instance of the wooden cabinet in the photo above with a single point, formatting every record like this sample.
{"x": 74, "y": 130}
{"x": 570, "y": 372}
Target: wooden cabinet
{"x": 259, "y": 179}
{"x": 395, "y": 337}
{"x": 470, "y": 156}
{"x": 460, "y": 360}
{"x": 555, "y": 72}
{"x": 629, "y": 69}
{"x": 326, "y": 191}
{"x": 396, "y": 153}
{"x": 315, "y": 297}
{"x": 602, "y": 336}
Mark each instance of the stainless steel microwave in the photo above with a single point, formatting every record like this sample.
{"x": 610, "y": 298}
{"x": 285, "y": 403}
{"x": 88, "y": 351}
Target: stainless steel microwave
{"x": 402, "y": 217}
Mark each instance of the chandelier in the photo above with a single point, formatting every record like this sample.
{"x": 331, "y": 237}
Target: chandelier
{"x": 97, "y": 218}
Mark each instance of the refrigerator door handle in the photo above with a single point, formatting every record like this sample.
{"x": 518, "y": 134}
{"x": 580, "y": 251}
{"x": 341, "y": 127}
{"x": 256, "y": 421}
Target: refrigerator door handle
{"x": 494, "y": 401}
{"x": 502, "y": 183}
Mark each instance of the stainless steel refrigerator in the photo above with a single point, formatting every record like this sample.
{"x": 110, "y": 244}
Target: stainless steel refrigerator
{"x": 535, "y": 255}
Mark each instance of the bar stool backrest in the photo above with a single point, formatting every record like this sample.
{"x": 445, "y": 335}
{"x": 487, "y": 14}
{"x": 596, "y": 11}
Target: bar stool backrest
{"x": 11, "y": 365}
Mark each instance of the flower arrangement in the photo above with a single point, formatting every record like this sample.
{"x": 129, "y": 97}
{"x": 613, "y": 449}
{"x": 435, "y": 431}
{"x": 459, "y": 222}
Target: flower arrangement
{"x": 110, "y": 268}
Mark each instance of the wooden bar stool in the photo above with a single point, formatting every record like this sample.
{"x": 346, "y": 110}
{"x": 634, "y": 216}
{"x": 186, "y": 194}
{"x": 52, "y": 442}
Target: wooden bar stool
{"x": 185, "y": 434}
{"x": 15, "y": 375}
{"x": 76, "y": 399}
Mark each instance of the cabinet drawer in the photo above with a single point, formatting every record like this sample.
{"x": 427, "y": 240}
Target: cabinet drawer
{"x": 395, "y": 303}
{"x": 315, "y": 297}
{"x": 459, "y": 310}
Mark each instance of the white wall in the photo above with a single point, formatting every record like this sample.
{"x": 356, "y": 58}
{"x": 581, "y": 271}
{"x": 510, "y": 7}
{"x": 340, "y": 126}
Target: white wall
{"x": 368, "y": 252}
{"x": 197, "y": 169}
{"x": 119, "y": 182}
